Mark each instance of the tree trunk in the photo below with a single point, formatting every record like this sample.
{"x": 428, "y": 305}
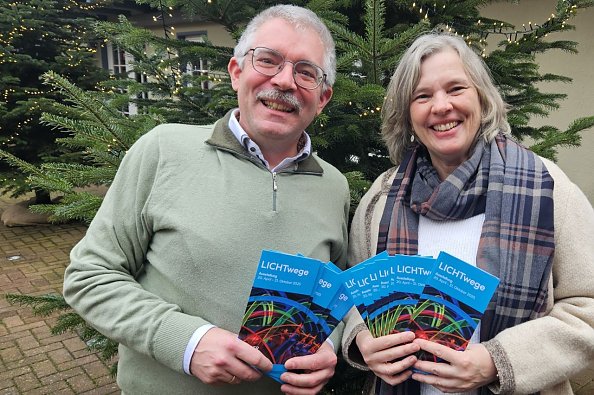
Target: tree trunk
{"x": 42, "y": 197}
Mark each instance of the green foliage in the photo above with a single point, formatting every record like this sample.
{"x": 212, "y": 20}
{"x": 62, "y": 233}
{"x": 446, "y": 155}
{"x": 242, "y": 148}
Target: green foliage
{"x": 169, "y": 89}
{"x": 232, "y": 14}
{"x": 37, "y": 36}
{"x": 347, "y": 134}
{"x": 101, "y": 133}
{"x": 68, "y": 321}
{"x": 358, "y": 185}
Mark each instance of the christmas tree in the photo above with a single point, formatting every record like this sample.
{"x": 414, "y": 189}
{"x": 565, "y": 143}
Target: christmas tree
{"x": 37, "y": 36}
{"x": 370, "y": 36}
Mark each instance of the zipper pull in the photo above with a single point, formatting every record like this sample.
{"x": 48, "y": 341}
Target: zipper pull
{"x": 274, "y": 188}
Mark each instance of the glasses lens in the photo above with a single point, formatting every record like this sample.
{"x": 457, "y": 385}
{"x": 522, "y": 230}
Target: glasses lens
{"x": 267, "y": 61}
{"x": 307, "y": 75}
{"x": 270, "y": 62}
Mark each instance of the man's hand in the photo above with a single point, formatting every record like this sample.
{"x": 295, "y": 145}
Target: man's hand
{"x": 222, "y": 358}
{"x": 465, "y": 371}
{"x": 317, "y": 369}
{"x": 389, "y": 357}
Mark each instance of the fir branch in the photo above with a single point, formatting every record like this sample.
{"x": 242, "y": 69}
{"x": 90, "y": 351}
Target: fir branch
{"x": 43, "y": 305}
{"x": 80, "y": 175}
{"x": 67, "y": 321}
{"x": 97, "y": 110}
{"x": 80, "y": 206}
{"x": 553, "y": 138}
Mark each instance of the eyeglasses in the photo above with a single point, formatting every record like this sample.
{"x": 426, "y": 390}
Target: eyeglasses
{"x": 270, "y": 62}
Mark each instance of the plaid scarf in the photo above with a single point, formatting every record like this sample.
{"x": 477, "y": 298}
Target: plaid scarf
{"x": 513, "y": 188}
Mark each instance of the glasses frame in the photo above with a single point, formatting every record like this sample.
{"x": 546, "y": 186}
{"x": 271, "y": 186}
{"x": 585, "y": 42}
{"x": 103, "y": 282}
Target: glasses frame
{"x": 282, "y": 66}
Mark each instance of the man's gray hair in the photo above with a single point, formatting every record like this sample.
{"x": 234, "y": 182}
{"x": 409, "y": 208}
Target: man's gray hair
{"x": 396, "y": 122}
{"x": 300, "y": 18}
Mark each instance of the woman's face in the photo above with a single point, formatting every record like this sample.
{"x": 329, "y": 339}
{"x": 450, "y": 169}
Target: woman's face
{"x": 445, "y": 111}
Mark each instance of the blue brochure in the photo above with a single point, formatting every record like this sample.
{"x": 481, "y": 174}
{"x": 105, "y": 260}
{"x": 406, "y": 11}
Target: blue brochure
{"x": 293, "y": 307}
{"x": 358, "y": 282}
{"x": 407, "y": 277}
{"x": 441, "y": 299}
{"x": 452, "y": 303}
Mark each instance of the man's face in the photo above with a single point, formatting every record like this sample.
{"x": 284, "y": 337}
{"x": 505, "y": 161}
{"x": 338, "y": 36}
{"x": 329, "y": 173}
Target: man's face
{"x": 276, "y": 122}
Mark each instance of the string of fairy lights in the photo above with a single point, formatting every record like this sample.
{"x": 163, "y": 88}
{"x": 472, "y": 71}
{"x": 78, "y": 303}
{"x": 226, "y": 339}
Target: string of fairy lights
{"x": 512, "y": 35}
{"x": 73, "y": 54}
{"x": 168, "y": 32}
{"x": 21, "y": 28}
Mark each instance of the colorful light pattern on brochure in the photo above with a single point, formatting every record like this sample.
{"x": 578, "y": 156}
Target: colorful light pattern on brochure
{"x": 441, "y": 299}
{"x": 452, "y": 303}
{"x": 294, "y": 305}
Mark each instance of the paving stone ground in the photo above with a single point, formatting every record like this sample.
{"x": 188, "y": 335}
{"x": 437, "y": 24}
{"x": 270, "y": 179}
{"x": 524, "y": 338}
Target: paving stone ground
{"x": 32, "y": 360}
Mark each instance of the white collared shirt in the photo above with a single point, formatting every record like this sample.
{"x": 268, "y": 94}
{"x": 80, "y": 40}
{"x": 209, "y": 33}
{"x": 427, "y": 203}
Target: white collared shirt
{"x": 255, "y": 151}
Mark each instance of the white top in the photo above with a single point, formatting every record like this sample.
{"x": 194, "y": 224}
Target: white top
{"x": 459, "y": 238}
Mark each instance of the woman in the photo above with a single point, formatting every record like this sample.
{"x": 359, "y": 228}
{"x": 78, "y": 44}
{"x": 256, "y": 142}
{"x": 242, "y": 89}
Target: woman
{"x": 465, "y": 187}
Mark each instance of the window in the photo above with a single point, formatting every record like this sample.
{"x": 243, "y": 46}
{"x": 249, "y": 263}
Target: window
{"x": 119, "y": 62}
{"x": 199, "y": 67}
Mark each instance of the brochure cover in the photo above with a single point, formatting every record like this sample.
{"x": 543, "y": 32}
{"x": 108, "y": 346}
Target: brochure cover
{"x": 277, "y": 320}
{"x": 452, "y": 303}
{"x": 358, "y": 281}
{"x": 324, "y": 303}
{"x": 293, "y": 307}
{"x": 405, "y": 279}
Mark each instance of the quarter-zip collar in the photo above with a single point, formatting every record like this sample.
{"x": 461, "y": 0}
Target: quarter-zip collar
{"x": 223, "y": 138}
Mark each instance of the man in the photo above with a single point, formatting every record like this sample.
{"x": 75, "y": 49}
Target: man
{"x": 167, "y": 264}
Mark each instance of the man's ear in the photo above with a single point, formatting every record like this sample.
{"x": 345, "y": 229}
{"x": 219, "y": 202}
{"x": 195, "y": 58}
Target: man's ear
{"x": 234, "y": 72}
{"x": 325, "y": 97}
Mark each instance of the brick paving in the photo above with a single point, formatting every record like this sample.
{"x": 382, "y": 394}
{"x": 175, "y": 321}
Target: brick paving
{"x": 32, "y": 360}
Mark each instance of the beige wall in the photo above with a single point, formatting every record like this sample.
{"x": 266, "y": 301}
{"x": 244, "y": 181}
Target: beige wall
{"x": 216, "y": 33}
{"x": 578, "y": 162}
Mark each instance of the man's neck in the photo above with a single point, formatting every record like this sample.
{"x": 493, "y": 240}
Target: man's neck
{"x": 274, "y": 152}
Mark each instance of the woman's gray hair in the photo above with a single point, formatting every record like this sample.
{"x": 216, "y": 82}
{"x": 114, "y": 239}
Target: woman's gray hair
{"x": 396, "y": 122}
{"x": 300, "y": 18}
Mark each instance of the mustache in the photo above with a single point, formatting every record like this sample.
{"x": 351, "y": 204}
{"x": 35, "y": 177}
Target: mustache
{"x": 277, "y": 95}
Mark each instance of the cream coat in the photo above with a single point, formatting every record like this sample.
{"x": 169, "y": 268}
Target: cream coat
{"x": 539, "y": 355}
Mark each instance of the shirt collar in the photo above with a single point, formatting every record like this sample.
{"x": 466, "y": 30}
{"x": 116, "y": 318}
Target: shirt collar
{"x": 303, "y": 146}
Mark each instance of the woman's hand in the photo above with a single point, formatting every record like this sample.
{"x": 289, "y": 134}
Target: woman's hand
{"x": 388, "y": 356}
{"x": 465, "y": 371}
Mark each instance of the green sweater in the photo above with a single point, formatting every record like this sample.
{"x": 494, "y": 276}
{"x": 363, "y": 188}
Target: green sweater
{"x": 176, "y": 243}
